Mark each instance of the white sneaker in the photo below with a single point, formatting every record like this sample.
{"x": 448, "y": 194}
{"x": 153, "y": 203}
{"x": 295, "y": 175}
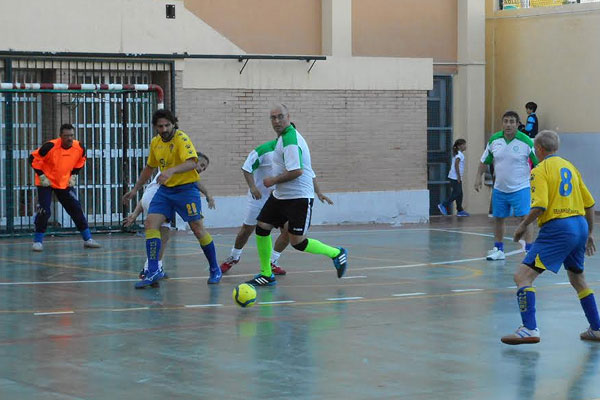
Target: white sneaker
{"x": 37, "y": 246}
{"x": 91, "y": 244}
{"x": 590, "y": 334}
{"x": 522, "y": 336}
{"x": 495, "y": 254}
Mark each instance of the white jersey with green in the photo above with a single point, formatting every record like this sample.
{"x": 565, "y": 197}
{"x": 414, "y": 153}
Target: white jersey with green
{"x": 292, "y": 153}
{"x": 259, "y": 163}
{"x": 510, "y": 158}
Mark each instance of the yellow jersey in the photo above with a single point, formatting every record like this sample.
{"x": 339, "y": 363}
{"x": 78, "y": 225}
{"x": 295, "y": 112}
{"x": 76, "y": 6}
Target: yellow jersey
{"x": 176, "y": 151}
{"x": 557, "y": 187}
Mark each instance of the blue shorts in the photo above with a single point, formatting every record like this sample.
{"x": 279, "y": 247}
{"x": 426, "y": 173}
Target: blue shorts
{"x": 520, "y": 201}
{"x": 560, "y": 241}
{"x": 185, "y": 200}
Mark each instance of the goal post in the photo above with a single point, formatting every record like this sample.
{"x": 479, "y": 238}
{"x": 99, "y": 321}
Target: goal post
{"x": 113, "y": 122}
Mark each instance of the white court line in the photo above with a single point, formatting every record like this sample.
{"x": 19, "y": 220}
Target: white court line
{"x": 276, "y": 302}
{"x": 466, "y": 290}
{"x": 409, "y": 294}
{"x": 344, "y": 298}
{"x": 355, "y": 277}
{"x": 56, "y": 282}
{"x": 511, "y": 287}
{"x": 562, "y": 283}
{"x": 202, "y": 305}
{"x": 464, "y": 233}
{"x": 54, "y": 313}
{"x": 130, "y": 309}
{"x": 185, "y": 278}
{"x": 470, "y": 233}
{"x": 304, "y": 272}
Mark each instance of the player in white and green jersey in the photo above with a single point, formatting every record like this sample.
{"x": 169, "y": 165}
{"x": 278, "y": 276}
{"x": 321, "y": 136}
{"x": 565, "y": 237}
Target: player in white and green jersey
{"x": 290, "y": 204}
{"x": 258, "y": 166}
{"x": 511, "y": 152}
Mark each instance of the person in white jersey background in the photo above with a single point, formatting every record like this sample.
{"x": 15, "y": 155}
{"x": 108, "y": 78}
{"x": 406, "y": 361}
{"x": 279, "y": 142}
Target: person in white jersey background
{"x": 290, "y": 204}
{"x": 258, "y": 166}
{"x": 457, "y": 171}
{"x": 509, "y": 151}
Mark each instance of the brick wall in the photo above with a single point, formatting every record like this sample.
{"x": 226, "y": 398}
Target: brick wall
{"x": 359, "y": 140}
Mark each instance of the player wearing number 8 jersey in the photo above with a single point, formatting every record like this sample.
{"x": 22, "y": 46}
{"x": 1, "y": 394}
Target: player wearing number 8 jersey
{"x": 563, "y": 207}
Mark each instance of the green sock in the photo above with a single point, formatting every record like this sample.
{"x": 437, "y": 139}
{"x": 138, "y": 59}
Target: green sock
{"x": 264, "y": 245}
{"x": 316, "y": 247}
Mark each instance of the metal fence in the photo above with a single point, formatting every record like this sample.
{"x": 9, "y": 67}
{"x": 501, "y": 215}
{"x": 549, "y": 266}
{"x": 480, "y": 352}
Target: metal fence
{"x": 114, "y": 127}
{"x": 513, "y": 4}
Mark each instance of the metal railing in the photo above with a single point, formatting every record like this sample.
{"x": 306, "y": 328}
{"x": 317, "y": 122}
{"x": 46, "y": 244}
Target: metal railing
{"x": 514, "y": 4}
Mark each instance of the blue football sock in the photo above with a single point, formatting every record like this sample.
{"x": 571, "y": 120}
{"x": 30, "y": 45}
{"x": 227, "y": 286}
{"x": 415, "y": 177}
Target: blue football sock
{"x": 208, "y": 247}
{"x": 499, "y": 245}
{"x": 86, "y": 234}
{"x": 153, "y": 244}
{"x": 526, "y": 301}
{"x": 588, "y": 303}
{"x": 38, "y": 237}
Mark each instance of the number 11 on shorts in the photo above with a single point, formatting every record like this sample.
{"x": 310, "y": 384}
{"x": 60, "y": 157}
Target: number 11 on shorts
{"x": 191, "y": 209}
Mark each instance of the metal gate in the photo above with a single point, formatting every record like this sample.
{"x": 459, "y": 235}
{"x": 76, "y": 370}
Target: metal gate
{"x": 114, "y": 128}
{"x": 439, "y": 140}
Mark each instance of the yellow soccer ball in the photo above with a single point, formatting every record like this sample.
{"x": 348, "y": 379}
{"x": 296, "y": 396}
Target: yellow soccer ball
{"x": 244, "y": 295}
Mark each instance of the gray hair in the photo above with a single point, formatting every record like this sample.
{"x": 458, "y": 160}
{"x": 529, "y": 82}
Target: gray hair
{"x": 548, "y": 140}
{"x": 281, "y": 106}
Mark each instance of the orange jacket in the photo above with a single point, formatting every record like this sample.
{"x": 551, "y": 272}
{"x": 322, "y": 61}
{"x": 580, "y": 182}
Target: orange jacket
{"x": 56, "y": 163}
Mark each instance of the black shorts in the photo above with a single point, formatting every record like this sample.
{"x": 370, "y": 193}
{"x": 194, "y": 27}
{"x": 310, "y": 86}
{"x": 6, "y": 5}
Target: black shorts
{"x": 296, "y": 212}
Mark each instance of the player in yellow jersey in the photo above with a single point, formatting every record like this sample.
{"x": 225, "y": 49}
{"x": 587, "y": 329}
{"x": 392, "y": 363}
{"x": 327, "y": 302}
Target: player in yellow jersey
{"x": 564, "y": 209}
{"x": 173, "y": 152}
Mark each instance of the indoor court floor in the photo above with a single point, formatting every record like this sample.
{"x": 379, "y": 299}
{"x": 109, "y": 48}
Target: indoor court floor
{"x": 418, "y": 315}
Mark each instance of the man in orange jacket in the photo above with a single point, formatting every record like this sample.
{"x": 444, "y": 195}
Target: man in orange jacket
{"x": 56, "y": 165}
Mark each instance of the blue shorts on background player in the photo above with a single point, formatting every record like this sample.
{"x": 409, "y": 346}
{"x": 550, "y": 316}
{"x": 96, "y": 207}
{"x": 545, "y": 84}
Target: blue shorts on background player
{"x": 564, "y": 209}
{"x": 511, "y": 154}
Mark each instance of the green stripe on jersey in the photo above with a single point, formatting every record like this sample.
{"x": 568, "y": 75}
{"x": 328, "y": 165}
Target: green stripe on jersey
{"x": 489, "y": 159}
{"x": 524, "y": 138}
{"x": 496, "y": 136}
{"x": 255, "y": 165}
{"x": 288, "y": 136}
{"x": 266, "y": 147}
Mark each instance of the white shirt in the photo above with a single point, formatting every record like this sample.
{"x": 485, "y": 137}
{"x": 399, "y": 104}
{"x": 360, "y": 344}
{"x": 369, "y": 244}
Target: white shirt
{"x": 259, "y": 163}
{"x": 461, "y": 166}
{"x": 511, "y": 166}
{"x": 149, "y": 192}
{"x": 292, "y": 153}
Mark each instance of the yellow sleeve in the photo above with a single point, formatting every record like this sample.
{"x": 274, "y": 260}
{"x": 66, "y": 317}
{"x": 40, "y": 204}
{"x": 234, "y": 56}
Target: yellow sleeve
{"x": 539, "y": 188}
{"x": 186, "y": 149}
{"x": 588, "y": 200}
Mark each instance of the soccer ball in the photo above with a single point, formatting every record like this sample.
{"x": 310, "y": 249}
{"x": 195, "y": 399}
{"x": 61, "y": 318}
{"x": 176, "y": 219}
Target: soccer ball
{"x": 244, "y": 295}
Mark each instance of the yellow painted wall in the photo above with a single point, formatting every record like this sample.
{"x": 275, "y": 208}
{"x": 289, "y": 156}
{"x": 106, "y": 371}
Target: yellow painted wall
{"x": 405, "y": 28}
{"x": 547, "y": 55}
{"x": 265, "y": 26}
{"x": 380, "y": 28}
